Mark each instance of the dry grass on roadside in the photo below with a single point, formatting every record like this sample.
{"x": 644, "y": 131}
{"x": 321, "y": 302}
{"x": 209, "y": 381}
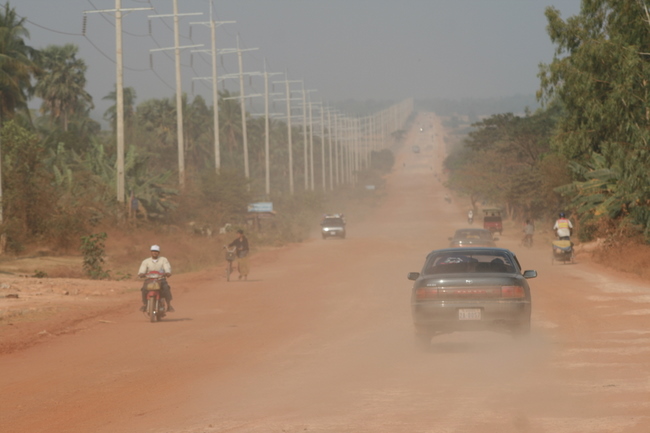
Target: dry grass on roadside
{"x": 632, "y": 256}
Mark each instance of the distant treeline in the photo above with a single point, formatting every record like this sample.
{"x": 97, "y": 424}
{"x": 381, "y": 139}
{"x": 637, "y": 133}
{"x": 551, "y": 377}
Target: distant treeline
{"x": 476, "y": 108}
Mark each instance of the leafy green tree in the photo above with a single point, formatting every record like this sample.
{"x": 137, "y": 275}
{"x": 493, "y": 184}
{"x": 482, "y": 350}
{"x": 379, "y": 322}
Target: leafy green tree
{"x": 199, "y": 138}
{"x": 157, "y": 118}
{"x": 61, "y": 83}
{"x": 601, "y": 75}
{"x": 501, "y": 162}
{"x": 28, "y": 197}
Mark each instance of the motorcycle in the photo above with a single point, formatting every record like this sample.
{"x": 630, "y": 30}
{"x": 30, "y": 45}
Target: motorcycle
{"x": 156, "y": 306}
{"x": 470, "y": 220}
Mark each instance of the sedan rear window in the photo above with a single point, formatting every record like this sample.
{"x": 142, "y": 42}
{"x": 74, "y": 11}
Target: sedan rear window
{"x": 450, "y": 263}
{"x": 333, "y": 222}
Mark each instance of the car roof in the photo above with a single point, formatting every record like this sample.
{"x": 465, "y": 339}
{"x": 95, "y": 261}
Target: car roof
{"x": 470, "y": 250}
{"x": 472, "y": 230}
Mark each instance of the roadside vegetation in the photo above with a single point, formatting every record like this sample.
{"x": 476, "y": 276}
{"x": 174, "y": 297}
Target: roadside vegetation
{"x": 585, "y": 152}
{"x": 58, "y": 182}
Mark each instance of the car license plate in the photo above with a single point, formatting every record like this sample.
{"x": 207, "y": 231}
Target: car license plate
{"x": 332, "y": 233}
{"x": 469, "y": 314}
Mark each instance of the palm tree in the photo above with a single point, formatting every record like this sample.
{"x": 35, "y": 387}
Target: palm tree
{"x": 16, "y": 63}
{"x": 16, "y": 70}
{"x": 62, "y": 83}
{"x": 198, "y": 130}
{"x": 129, "y": 107}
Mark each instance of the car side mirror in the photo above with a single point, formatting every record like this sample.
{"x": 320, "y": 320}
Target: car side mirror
{"x": 530, "y": 274}
{"x": 413, "y": 276}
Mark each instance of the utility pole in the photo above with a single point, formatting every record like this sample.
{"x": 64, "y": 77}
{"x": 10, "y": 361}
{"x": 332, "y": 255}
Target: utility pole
{"x": 243, "y": 110}
{"x": 312, "y": 105}
{"x": 119, "y": 94}
{"x": 330, "y": 133}
{"x": 304, "y": 134}
{"x": 336, "y": 149}
{"x": 311, "y": 148}
{"x": 241, "y": 98}
{"x": 179, "y": 90}
{"x": 322, "y": 146}
{"x": 267, "y": 132}
{"x": 215, "y": 89}
{"x": 289, "y": 143}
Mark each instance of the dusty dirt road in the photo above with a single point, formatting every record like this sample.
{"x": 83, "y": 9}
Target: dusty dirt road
{"x": 320, "y": 340}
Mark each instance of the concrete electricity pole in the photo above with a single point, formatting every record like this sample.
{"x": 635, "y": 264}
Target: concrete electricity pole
{"x": 322, "y": 145}
{"x": 304, "y": 132}
{"x": 215, "y": 89}
{"x": 289, "y": 143}
{"x": 330, "y": 134}
{"x": 267, "y": 132}
{"x": 119, "y": 93}
{"x": 311, "y": 146}
{"x": 179, "y": 90}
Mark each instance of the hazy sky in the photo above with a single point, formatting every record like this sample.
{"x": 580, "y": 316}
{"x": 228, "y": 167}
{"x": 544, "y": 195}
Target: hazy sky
{"x": 358, "y": 49}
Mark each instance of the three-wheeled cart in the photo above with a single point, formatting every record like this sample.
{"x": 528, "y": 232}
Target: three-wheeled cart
{"x": 562, "y": 251}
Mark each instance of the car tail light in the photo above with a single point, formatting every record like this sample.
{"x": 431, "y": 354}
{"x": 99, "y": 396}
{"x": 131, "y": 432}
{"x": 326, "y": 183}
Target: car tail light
{"x": 512, "y": 292}
{"x": 426, "y": 293}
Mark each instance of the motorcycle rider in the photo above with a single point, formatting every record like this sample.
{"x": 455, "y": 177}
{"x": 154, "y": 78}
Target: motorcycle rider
{"x": 156, "y": 263}
{"x": 470, "y": 216}
{"x": 563, "y": 227}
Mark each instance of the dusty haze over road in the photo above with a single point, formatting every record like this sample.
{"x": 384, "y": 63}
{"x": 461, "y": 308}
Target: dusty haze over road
{"x": 320, "y": 340}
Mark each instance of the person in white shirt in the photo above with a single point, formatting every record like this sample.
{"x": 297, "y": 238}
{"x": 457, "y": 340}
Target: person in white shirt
{"x": 157, "y": 264}
{"x": 563, "y": 227}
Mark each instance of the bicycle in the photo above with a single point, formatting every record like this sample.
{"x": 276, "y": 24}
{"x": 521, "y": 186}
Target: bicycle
{"x": 231, "y": 256}
{"x": 527, "y": 241}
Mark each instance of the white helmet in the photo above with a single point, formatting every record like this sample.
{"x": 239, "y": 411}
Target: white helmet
{"x": 155, "y": 248}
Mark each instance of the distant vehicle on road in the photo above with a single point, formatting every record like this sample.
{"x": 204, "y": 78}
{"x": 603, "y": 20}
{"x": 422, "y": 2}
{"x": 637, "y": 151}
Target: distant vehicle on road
{"x": 472, "y": 238}
{"x": 492, "y": 220}
{"x": 474, "y": 289}
{"x": 333, "y": 226}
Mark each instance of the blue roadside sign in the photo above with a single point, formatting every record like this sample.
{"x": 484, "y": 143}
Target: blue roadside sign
{"x": 261, "y": 207}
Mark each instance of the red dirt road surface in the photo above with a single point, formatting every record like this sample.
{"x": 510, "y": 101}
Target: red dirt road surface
{"x": 320, "y": 340}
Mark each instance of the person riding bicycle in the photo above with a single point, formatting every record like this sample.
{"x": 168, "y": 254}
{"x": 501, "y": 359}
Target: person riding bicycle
{"x": 529, "y": 230}
{"x": 241, "y": 243}
{"x": 161, "y": 265}
{"x": 563, "y": 227}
